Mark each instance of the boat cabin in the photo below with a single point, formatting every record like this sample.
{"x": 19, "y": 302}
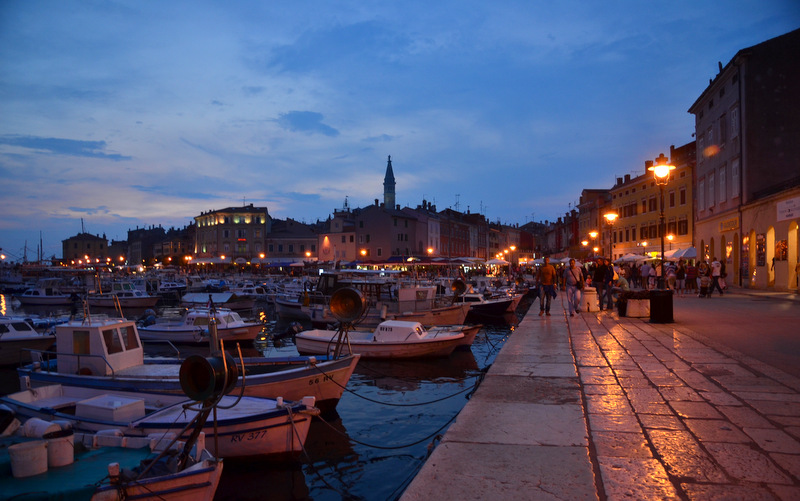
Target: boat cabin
{"x": 98, "y": 347}
{"x": 398, "y": 331}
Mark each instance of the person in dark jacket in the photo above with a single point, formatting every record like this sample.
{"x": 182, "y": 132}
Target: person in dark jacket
{"x": 598, "y": 279}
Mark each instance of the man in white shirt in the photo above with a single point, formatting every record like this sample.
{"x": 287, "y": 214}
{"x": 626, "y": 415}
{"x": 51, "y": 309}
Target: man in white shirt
{"x": 716, "y": 271}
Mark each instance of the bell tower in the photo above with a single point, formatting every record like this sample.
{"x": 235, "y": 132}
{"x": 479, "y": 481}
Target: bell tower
{"x": 388, "y": 186}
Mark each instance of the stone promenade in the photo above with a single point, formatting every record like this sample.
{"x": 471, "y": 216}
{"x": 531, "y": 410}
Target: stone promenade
{"x": 601, "y": 407}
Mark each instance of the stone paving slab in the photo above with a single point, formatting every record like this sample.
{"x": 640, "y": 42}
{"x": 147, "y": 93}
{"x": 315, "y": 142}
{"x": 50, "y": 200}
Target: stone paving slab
{"x": 601, "y": 407}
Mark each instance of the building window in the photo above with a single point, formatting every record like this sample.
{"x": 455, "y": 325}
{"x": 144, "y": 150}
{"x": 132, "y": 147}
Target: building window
{"x": 280, "y": 248}
{"x": 644, "y": 206}
{"x": 380, "y": 252}
{"x": 271, "y": 248}
{"x": 672, "y": 198}
{"x": 711, "y": 186}
{"x": 633, "y": 234}
{"x": 226, "y": 247}
{"x": 652, "y": 204}
{"x": 701, "y": 194}
{"x": 344, "y": 239}
{"x": 226, "y": 233}
{"x": 735, "y": 122}
{"x": 683, "y": 227}
{"x": 723, "y": 129}
{"x": 735, "y": 178}
{"x": 723, "y": 185}
{"x": 352, "y": 238}
{"x": 682, "y": 194}
{"x": 643, "y": 232}
{"x": 291, "y": 248}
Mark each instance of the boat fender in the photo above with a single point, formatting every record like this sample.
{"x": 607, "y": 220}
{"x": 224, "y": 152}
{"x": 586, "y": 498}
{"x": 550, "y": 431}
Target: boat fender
{"x": 205, "y": 378}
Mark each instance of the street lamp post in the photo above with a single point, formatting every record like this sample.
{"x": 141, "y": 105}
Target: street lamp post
{"x": 661, "y": 170}
{"x": 610, "y": 218}
{"x": 661, "y": 298}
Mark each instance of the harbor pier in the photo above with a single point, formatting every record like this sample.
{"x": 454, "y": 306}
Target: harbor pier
{"x": 601, "y": 407}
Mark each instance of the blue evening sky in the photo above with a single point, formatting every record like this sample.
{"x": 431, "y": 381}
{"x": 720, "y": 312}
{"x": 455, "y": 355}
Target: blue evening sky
{"x": 139, "y": 113}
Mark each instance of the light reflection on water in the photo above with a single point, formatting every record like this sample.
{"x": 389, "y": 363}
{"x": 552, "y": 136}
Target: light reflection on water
{"x": 379, "y": 436}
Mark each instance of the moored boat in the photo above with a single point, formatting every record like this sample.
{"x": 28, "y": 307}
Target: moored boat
{"x": 244, "y": 427}
{"x": 193, "y": 327}
{"x": 104, "y": 467}
{"x": 107, "y": 355}
{"x": 17, "y": 338}
{"x": 46, "y": 292}
{"x": 390, "y": 339}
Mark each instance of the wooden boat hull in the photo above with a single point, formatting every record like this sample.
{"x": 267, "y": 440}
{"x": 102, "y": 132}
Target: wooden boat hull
{"x": 253, "y": 427}
{"x": 321, "y": 342}
{"x": 87, "y": 476}
{"x": 187, "y": 335}
{"x": 323, "y": 380}
{"x": 14, "y": 352}
{"x": 131, "y": 302}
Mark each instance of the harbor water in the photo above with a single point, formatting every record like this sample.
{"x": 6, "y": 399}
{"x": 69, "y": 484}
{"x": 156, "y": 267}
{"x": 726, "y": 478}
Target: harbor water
{"x": 391, "y": 416}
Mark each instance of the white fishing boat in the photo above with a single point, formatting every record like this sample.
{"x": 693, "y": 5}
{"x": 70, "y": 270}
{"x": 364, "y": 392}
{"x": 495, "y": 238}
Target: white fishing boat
{"x": 46, "y": 292}
{"x": 225, "y": 299}
{"x": 193, "y": 327}
{"x": 48, "y": 460}
{"x": 390, "y": 339}
{"x": 483, "y": 306}
{"x": 107, "y": 355}
{"x": 245, "y": 426}
{"x": 17, "y": 337}
{"x": 126, "y": 298}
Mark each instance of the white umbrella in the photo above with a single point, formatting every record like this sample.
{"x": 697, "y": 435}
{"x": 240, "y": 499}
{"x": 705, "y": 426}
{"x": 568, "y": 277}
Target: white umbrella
{"x": 689, "y": 253}
{"x": 497, "y": 261}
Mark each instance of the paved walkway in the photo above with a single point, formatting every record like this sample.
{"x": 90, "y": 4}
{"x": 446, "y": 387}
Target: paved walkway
{"x": 598, "y": 407}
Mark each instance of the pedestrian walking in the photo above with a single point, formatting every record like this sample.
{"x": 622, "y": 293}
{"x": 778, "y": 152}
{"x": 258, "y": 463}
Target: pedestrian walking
{"x": 547, "y": 286}
{"x": 703, "y": 279}
{"x": 672, "y": 276}
{"x": 723, "y": 282}
{"x": 716, "y": 272}
{"x": 573, "y": 279}
{"x": 608, "y": 285}
{"x": 645, "y": 275}
{"x": 691, "y": 277}
{"x": 598, "y": 279}
{"x": 654, "y": 274}
{"x": 680, "y": 278}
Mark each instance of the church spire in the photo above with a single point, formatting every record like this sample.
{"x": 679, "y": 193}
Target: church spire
{"x": 388, "y": 186}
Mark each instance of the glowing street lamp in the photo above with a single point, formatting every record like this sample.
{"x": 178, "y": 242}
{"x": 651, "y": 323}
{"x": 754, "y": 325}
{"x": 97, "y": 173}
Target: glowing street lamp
{"x": 670, "y": 237}
{"x": 661, "y": 170}
{"x": 610, "y": 217}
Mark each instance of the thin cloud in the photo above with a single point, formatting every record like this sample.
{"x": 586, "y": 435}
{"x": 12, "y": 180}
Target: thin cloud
{"x": 59, "y": 146}
{"x": 306, "y": 121}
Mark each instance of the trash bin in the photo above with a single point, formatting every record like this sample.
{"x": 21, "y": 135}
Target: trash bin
{"x": 661, "y": 306}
